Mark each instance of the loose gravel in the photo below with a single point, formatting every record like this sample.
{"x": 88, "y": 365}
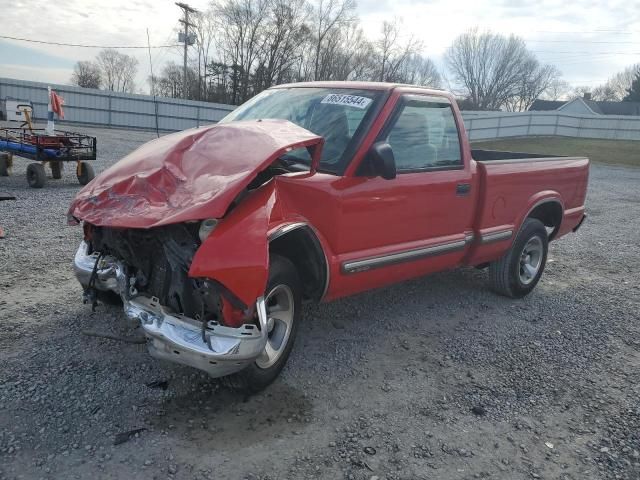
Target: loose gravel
{"x": 433, "y": 378}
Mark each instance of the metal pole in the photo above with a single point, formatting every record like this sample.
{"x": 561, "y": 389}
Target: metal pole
{"x": 186, "y": 9}
{"x": 50, "y": 126}
{"x": 186, "y": 44}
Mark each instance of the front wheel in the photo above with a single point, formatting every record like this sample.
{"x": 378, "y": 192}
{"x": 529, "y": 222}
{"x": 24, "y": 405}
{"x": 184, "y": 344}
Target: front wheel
{"x": 519, "y": 270}
{"x": 283, "y": 300}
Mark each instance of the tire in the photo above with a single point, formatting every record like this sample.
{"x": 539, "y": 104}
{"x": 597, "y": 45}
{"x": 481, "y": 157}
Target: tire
{"x": 56, "y": 169}
{"x": 517, "y": 273}
{"x": 85, "y": 173}
{"x": 36, "y": 176}
{"x": 283, "y": 282}
{"x": 5, "y": 164}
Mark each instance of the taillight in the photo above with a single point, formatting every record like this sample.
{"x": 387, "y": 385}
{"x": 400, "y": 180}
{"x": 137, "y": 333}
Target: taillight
{"x": 87, "y": 228}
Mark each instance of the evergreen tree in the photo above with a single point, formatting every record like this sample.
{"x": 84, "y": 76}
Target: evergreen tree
{"x": 634, "y": 91}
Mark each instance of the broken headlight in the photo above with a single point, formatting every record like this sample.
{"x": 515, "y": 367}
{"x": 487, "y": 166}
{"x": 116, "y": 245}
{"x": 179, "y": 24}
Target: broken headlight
{"x": 206, "y": 227}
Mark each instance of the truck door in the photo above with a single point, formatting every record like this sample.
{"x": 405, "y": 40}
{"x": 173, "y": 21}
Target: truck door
{"x": 419, "y": 222}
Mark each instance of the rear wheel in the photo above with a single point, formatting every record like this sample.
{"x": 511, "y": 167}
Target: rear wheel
{"x": 519, "y": 270}
{"x": 56, "y": 170}
{"x": 85, "y": 173}
{"x": 36, "y": 176}
{"x": 5, "y": 164}
{"x": 283, "y": 301}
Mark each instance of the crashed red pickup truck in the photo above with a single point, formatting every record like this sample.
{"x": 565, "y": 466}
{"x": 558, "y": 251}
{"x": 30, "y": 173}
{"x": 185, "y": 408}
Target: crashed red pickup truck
{"x": 213, "y": 237}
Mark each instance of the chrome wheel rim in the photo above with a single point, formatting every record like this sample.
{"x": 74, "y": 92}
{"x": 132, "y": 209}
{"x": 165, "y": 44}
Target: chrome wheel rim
{"x": 530, "y": 260}
{"x": 280, "y": 310}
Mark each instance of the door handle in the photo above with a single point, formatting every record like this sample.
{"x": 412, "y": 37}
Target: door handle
{"x": 463, "y": 189}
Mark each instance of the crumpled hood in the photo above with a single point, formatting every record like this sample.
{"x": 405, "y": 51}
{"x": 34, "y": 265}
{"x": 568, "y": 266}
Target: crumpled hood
{"x": 189, "y": 175}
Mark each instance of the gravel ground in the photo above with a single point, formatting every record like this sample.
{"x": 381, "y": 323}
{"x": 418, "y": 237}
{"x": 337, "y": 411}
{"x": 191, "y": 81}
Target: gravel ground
{"x": 433, "y": 378}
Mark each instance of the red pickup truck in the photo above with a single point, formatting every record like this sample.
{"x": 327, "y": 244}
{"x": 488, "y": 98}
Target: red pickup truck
{"x": 213, "y": 237}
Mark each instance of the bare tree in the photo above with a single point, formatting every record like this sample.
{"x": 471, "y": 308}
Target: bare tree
{"x": 285, "y": 32}
{"x": 86, "y": 74}
{"x": 558, "y": 89}
{"x": 170, "y": 83}
{"x": 535, "y": 80}
{"x": 204, "y": 26}
{"x": 393, "y": 51}
{"x": 418, "y": 70}
{"x": 580, "y": 91}
{"x": 615, "y": 89}
{"x": 242, "y": 22}
{"x": 351, "y": 56}
{"x": 329, "y": 17}
{"x": 494, "y": 69}
{"x": 118, "y": 70}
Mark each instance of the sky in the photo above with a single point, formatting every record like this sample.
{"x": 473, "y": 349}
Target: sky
{"x": 587, "y": 40}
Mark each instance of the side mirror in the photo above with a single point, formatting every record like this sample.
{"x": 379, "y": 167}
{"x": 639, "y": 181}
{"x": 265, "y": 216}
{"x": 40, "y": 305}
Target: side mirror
{"x": 382, "y": 160}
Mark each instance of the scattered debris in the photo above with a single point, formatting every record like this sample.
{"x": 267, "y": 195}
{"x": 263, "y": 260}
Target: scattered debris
{"x": 161, "y": 384}
{"x": 123, "y": 437}
{"x": 479, "y": 410}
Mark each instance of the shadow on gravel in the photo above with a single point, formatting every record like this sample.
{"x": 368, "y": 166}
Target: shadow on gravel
{"x": 219, "y": 418}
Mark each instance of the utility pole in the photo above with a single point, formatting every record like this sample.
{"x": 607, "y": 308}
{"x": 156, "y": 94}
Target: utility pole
{"x": 186, "y": 9}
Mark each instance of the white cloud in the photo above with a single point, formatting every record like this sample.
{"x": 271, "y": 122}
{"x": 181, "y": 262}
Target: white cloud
{"x": 436, "y": 22}
{"x": 36, "y": 74}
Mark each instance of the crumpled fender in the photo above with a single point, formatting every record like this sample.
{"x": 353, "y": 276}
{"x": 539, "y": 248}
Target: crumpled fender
{"x": 187, "y": 176}
{"x": 236, "y": 254}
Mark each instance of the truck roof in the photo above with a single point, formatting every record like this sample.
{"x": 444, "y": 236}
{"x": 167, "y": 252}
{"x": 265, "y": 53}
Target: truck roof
{"x": 358, "y": 85}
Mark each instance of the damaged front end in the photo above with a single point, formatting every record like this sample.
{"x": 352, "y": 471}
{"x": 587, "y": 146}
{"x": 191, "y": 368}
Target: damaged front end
{"x": 182, "y": 317}
{"x": 196, "y": 287}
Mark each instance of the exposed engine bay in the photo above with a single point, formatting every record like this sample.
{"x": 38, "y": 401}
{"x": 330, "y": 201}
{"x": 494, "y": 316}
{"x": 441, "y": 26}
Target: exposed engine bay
{"x": 157, "y": 260}
{"x": 157, "y": 263}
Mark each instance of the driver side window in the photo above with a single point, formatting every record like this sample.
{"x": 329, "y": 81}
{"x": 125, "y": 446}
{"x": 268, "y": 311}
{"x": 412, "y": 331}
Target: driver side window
{"x": 423, "y": 136}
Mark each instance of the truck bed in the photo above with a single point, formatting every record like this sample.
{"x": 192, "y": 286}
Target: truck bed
{"x": 512, "y": 184}
{"x": 480, "y": 155}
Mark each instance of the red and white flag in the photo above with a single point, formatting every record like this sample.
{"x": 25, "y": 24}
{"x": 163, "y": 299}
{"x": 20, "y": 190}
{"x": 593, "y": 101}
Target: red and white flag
{"x": 56, "y": 104}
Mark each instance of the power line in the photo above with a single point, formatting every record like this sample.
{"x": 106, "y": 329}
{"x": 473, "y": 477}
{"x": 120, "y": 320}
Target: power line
{"x": 582, "y": 41}
{"x": 586, "y": 52}
{"x": 586, "y": 32}
{"x": 84, "y": 46}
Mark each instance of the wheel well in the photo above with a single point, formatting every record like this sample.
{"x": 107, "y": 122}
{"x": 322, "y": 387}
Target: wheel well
{"x": 302, "y": 247}
{"x": 550, "y": 214}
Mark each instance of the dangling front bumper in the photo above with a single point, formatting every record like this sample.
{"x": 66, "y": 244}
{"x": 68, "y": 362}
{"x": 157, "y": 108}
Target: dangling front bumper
{"x": 218, "y": 350}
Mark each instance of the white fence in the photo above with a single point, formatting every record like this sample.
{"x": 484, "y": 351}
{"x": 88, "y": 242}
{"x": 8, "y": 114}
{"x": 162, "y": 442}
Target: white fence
{"x": 87, "y": 106}
{"x": 489, "y": 125}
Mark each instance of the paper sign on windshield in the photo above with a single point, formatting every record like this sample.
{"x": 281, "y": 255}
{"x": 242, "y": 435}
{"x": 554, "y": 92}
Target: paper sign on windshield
{"x": 348, "y": 100}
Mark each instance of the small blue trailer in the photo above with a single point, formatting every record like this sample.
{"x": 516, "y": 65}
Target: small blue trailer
{"x": 52, "y": 149}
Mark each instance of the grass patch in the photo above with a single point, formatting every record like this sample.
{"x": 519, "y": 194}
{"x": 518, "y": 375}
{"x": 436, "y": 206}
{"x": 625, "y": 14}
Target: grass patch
{"x": 620, "y": 152}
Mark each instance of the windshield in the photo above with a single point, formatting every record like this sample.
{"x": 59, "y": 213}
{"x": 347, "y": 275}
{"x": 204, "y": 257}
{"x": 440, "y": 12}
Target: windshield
{"x": 333, "y": 113}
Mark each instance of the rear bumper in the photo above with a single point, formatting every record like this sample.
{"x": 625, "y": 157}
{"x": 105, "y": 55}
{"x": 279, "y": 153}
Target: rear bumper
{"x": 217, "y": 350}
